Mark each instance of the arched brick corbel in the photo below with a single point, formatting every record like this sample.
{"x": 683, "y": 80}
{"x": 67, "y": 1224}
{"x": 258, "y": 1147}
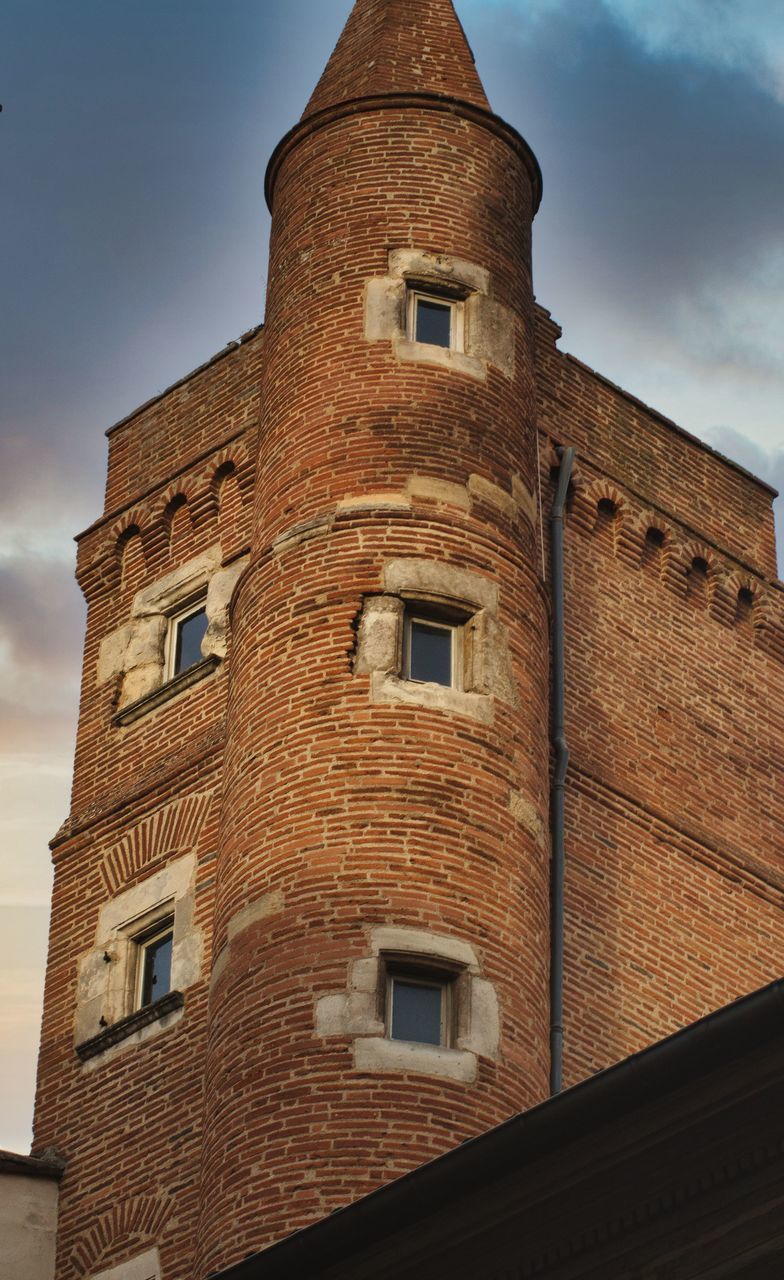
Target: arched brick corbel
{"x": 178, "y": 523}
{"x": 212, "y": 476}
{"x": 769, "y": 635}
{"x": 99, "y": 574}
{"x": 550, "y": 464}
{"x": 601, "y": 509}
{"x": 232, "y": 511}
{"x": 700, "y": 574}
{"x": 746, "y": 603}
{"x": 653, "y": 540}
{"x": 130, "y": 552}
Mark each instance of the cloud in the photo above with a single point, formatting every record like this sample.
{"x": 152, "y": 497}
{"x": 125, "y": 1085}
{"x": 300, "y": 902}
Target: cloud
{"x": 725, "y": 34}
{"x": 747, "y": 36}
{"x": 41, "y": 619}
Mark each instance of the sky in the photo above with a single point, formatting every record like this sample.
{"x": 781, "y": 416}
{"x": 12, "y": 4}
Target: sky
{"x": 133, "y": 239}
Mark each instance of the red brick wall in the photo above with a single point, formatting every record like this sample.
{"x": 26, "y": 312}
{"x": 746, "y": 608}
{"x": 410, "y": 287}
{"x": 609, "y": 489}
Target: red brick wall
{"x": 130, "y": 1127}
{"x": 675, "y": 706}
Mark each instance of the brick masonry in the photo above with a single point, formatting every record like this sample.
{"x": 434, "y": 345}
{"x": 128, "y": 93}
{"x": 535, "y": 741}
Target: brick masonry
{"x": 318, "y": 814}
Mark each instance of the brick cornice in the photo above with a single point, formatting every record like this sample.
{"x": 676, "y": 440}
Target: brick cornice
{"x": 405, "y": 102}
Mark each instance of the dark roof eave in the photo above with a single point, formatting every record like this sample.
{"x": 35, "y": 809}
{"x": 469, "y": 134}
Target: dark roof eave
{"x": 680, "y": 1060}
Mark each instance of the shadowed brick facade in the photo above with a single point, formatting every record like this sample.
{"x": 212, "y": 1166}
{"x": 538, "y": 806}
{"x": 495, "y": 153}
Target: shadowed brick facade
{"x": 300, "y": 809}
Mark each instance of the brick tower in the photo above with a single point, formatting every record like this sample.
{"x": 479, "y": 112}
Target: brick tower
{"x": 300, "y": 936}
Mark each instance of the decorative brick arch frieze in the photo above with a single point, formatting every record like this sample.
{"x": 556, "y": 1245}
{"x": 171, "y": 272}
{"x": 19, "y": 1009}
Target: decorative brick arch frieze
{"x": 132, "y": 1225}
{"x": 100, "y": 560}
{"x": 724, "y": 579}
{"x": 132, "y": 558}
{"x": 237, "y": 458}
{"x": 179, "y": 525}
{"x": 171, "y": 830}
{"x": 221, "y": 474}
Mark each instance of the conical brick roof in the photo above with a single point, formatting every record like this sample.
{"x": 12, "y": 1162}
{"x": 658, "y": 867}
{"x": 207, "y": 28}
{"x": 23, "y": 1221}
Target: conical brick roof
{"x": 400, "y": 46}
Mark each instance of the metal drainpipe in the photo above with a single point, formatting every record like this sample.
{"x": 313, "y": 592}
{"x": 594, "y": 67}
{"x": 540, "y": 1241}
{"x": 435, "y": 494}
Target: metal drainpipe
{"x": 560, "y": 766}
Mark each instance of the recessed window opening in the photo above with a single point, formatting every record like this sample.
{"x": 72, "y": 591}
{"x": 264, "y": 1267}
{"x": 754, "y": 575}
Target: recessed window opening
{"x": 417, "y": 1008}
{"x": 431, "y": 651}
{"x": 154, "y": 968}
{"x": 434, "y": 320}
{"x": 186, "y": 632}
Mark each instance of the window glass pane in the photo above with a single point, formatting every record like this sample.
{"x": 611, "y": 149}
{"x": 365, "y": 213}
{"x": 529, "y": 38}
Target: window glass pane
{"x": 430, "y": 653}
{"x": 190, "y": 633}
{"x": 416, "y": 1012}
{"x": 156, "y": 978}
{"x": 433, "y": 323}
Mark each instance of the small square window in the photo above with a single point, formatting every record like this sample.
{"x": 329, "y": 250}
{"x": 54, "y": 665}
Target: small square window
{"x": 417, "y": 1008}
{"x": 431, "y": 651}
{"x": 186, "y": 632}
{"x": 435, "y": 321}
{"x": 154, "y": 964}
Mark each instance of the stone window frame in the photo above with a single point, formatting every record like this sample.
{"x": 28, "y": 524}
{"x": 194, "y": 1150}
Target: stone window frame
{"x": 108, "y": 1017}
{"x": 359, "y": 1012}
{"x": 432, "y": 971}
{"x": 454, "y": 301}
{"x": 185, "y": 610}
{"x": 145, "y": 1266}
{"x": 457, "y": 622}
{"x": 489, "y": 327}
{"x": 136, "y": 656}
{"x": 469, "y": 600}
{"x": 144, "y": 934}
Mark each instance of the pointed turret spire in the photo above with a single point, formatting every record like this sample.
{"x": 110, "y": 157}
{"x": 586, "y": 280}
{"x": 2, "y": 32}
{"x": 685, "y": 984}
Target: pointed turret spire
{"x": 400, "y": 46}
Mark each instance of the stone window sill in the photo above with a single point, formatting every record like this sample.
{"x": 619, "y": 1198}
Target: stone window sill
{"x": 391, "y": 688}
{"x": 372, "y": 1053}
{"x": 126, "y": 1027}
{"x": 135, "y": 710}
{"x": 411, "y": 352}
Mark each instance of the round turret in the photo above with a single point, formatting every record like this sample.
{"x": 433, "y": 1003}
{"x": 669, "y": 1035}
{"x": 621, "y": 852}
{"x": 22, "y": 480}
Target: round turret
{"x": 379, "y": 990}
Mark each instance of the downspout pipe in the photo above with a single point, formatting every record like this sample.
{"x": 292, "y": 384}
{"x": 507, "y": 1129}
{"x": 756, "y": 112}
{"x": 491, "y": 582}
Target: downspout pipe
{"x": 560, "y": 766}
